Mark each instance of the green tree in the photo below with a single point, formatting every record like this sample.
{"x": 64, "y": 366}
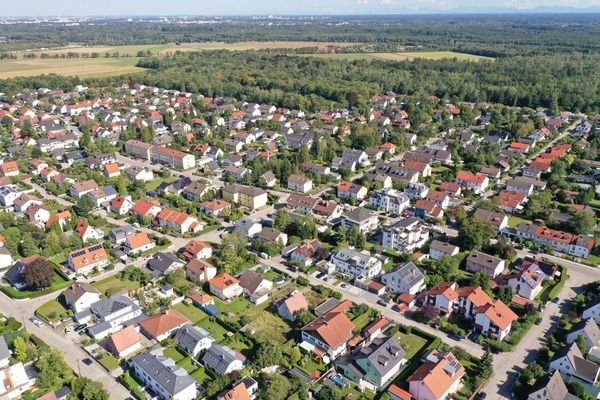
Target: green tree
{"x": 39, "y": 274}
{"x": 482, "y": 279}
{"x": 83, "y": 388}
{"x": 21, "y": 349}
{"x": 277, "y": 388}
{"x": 52, "y": 368}
{"x": 474, "y": 234}
{"x": 583, "y": 222}
{"x": 84, "y": 205}
{"x": 582, "y": 344}
{"x": 27, "y": 247}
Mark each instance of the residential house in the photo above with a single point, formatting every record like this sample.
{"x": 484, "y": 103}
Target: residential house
{"x": 390, "y": 200}
{"x": 214, "y": 208}
{"x": 238, "y": 392}
{"x": 364, "y": 219}
{"x": 309, "y": 253}
{"x": 374, "y": 366}
{"x": 85, "y": 260}
{"x": 247, "y": 196}
{"x": 330, "y": 333}
{"x": 494, "y": 320}
{"x": 225, "y": 286}
{"x": 299, "y": 183}
{"x": 145, "y": 208}
{"x": 477, "y": 183}
{"x": 290, "y": 307}
{"x": 247, "y": 227}
{"x": 196, "y": 249}
{"x": 112, "y": 170}
{"x": 173, "y": 158}
{"x": 137, "y": 173}
{"x": 255, "y": 287}
{"x": 79, "y": 189}
{"x": 138, "y": 243}
{"x": 564, "y": 242}
{"x": 497, "y": 220}
{"x": 528, "y": 281}
{"x": 162, "y": 326}
{"x": 512, "y": 202}
{"x": 179, "y": 221}
{"x": 592, "y": 311}
{"x": 124, "y": 342}
{"x": 118, "y": 235}
{"x": 438, "y": 377}
{"x": 222, "y": 360}
{"x": 438, "y": 249}
{"x": 267, "y": 235}
{"x": 586, "y": 328}
{"x": 200, "y": 270}
{"x": 25, "y": 201}
{"x": 9, "y": 168}
{"x": 163, "y": 376}
{"x": 6, "y": 259}
{"x": 357, "y": 264}
{"x": 441, "y": 199}
{"x": 193, "y": 339}
{"x": 80, "y": 296}
{"x": 551, "y": 387}
{"x": 121, "y": 205}
{"x": 196, "y": 191}
{"x": 404, "y": 278}
{"x": 406, "y": 235}
{"x": 109, "y": 315}
{"x": 482, "y": 262}
{"x": 87, "y": 232}
{"x": 163, "y": 263}
{"x": 570, "y": 362}
{"x": 428, "y": 209}
{"x": 16, "y": 380}
{"x": 442, "y": 297}
{"x": 351, "y": 190}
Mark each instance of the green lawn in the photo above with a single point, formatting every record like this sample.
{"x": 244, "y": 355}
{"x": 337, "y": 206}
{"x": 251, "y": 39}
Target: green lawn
{"x": 238, "y": 306}
{"x": 411, "y": 343}
{"x": 214, "y": 328}
{"x": 362, "y": 320}
{"x": 52, "y": 311}
{"x": 108, "y": 361}
{"x": 151, "y": 186}
{"x": 268, "y": 326}
{"x": 513, "y": 221}
{"x": 174, "y": 354}
{"x": 201, "y": 376}
{"x": 191, "y": 312}
{"x": 114, "y": 284}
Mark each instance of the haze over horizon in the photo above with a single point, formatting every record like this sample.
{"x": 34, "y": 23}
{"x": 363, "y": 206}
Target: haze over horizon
{"x": 36, "y": 8}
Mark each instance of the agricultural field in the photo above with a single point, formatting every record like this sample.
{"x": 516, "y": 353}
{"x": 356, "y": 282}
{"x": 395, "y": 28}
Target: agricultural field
{"x": 428, "y": 55}
{"x": 82, "y": 67}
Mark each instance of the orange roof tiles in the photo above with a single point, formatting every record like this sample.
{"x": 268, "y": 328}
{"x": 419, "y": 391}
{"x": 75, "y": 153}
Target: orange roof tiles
{"x": 123, "y": 339}
{"x": 161, "y": 324}
{"x": 223, "y": 281}
{"x": 334, "y": 329}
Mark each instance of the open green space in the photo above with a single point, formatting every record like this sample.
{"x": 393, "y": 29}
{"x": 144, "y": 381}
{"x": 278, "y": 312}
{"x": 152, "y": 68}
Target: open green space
{"x": 52, "y": 311}
{"x": 214, "y": 328}
{"x": 108, "y": 361}
{"x": 514, "y": 221}
{"x": 191, "y": 312}
{"x": 411, "y": 343}
{"x": 152, "y": 185}
{"x": 114, "y": 284}
{"x": 85, "y": 68}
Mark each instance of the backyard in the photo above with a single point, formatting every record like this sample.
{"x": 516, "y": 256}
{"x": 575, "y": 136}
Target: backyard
{"x": 114, "y": 284}
{"x": 191, "y": 312}
{"x": 52, "y": 311}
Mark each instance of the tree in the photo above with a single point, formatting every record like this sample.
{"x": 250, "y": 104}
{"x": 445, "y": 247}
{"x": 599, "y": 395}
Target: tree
{"x": 582, "y": 344}
{"x": 52, "y": 368}
{"x": 296, "y": 355}
{"x": 328, "y": 393}
{"x": 282, "y": 220}
{"x": 39, "y": 273}
{"x": 303, "y": 317}
{"x": 83, "y": 388}
{"x": 269, "y": 354}
{"x": 474, "y": 234}
{"x": 486, "y": 367}
{"x": 21, "y": 349}
{"x": 27, "y": 247}
{"x": 583, "y": 222}
{"x": 84, "y": 205}
{"x": 277, "y": 388}
{"x": 505, "y": 293}
{"x": 216, "y": 385}
{"x": 355, "y": 237}
{"x": 482, "y": 279}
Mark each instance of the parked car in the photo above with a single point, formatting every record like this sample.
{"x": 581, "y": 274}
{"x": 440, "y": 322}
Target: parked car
{"x": 555, "y": 300}
{"x": 456, "y": 337}
{"x": 87, "y": 361}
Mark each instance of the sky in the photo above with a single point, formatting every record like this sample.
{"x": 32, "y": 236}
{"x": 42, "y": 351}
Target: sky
{"x": 266, "y": 7}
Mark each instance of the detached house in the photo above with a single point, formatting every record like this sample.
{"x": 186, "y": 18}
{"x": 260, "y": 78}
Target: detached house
{"x": 366, "y": 220}
{"x": 482, "y": 262}
{"x": 247, "y": 196}
{"x": 225, "y": 287}
{"x": 438, "y": 377}
{"x": 178, "y": 221}
{"x": 80, "y": 296}
{"x": 477, "y": 183}
{"x": 352, "y": 190}
{"x": 438, "y": 249}
{"x": 84, "y": 260}
{"x": 329, "y": 333}
{"x": 161, "y": 326}
{"x": 357, "y": 264}
{"x": 495, "y": 320}
{"x": 292, "y": 305}
{"x": 497, "y": 220}
{"x": 138, "y": 243}
{"x": 528, "y": 282}
{"x": 79, "y": 189}
{"x": 121, "y": 205}
{"x": 404, "y": 278}
{"x": 124, "y": 342}
{"x": 87, "y": 232}
{"x": 299, "y": 183}
{"x": 569, "y": 361}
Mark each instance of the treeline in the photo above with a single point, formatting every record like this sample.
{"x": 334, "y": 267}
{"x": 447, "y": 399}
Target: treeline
{"x": 490, "y": 35}
{"x": 569, "y": 82}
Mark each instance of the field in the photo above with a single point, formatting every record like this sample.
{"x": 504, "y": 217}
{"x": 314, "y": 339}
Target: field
{"x": 105, "y": 64}
{"x": 429, "y": 55}
{"x": 85, "y": 68}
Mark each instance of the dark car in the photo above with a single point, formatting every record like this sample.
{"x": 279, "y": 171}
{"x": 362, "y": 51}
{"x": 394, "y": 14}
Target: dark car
{"x": 480, "y": 396}
{"x": 555, "y": 300}
{"x": 456, "y": 337}
{"x": 87, "y": 361}
{"x": 538, "y": 320}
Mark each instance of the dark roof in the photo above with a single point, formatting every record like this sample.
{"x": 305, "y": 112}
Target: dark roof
{"x": 188, "y": 337}
{"x": 162, "y": 261}
{"x": 218, "y": 358}
{"x": 163, "y": 370}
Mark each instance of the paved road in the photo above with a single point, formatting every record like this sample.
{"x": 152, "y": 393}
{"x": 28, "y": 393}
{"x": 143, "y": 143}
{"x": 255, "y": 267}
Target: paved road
{"x": 508, "y": 366}
{"x": 73, "y": 354}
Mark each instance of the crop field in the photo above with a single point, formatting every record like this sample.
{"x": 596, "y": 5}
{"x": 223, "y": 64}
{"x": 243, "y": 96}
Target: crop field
{"x": 88, "y": 67}
{"x": 413, "y": 55}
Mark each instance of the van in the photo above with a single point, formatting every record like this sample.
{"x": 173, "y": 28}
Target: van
{"x": 264, "y": 255}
